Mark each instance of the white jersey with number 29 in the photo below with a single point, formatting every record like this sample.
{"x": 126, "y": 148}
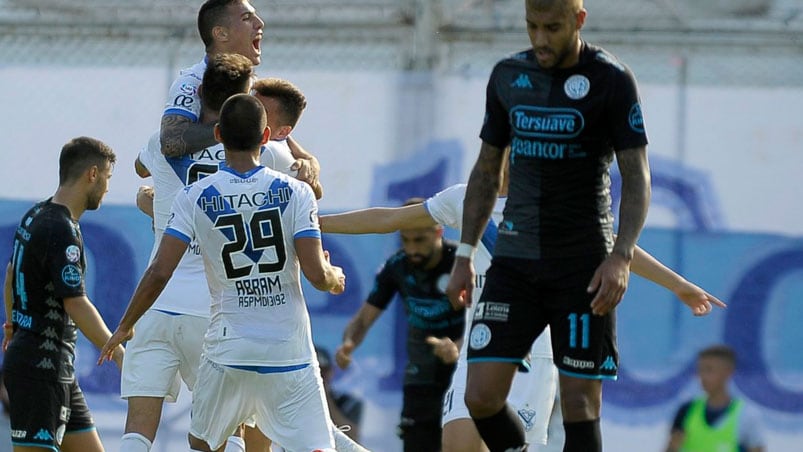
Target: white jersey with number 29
{"x": 246, "y": 226}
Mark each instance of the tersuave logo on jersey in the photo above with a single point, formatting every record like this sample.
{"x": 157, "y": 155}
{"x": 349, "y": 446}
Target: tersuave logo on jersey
{"x": 543, "y": 122}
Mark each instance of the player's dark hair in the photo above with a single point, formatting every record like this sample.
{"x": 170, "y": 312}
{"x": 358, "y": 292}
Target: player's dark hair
{"x": 290, "y": 98}
{"x": 226, "y": 74}
{"x": 242, "y": 122}
{"x": 211, "y": 15}
{"x": 722, "y": 352}
{"x": 80, "y": 154}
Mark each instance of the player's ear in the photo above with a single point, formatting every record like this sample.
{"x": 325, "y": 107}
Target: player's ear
{"x": 220, "y": 33}
{"x": 581, "y": 18}
{"x": 92, "y": 173}
{"x": 282, "y": 133}
{"x": 217, "y": 133}
{"x": 265, "y": 135}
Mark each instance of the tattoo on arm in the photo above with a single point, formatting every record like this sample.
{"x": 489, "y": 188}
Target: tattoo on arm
{"x": 180, "y": 136}
{"x": 481, "y": 193}
{"x": 635, "y": 201}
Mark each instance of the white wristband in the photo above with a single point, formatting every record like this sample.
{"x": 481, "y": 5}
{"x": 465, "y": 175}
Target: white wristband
{"x": 465, "y": 250}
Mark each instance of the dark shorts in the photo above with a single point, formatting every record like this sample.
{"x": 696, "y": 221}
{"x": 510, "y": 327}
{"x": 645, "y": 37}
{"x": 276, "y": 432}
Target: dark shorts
{"x": 420, "y": 426}
{"x": 43, "y": 411}
{"x": 521, "y": 297}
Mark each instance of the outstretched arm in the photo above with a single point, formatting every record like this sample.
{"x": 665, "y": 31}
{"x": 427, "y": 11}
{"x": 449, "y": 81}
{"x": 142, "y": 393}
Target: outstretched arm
{"x": 88, "y": 320}
{"x": 698, "y": 300}
{"x": 377, "y": 220}
{"x": 645, "y": 265}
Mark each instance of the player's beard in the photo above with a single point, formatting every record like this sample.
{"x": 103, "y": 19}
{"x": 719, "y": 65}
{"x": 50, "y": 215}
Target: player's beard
{"x": 419, "y": 260}
{"x": 94, "y": 198}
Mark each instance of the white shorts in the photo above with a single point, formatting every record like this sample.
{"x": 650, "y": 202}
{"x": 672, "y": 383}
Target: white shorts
{"x": 289, "y": 407}
{"x": 164, "y": 346}
{"x": 532, "y": 396}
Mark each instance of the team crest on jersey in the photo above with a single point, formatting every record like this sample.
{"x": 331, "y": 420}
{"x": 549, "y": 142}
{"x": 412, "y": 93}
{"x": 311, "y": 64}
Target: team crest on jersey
{"x": 187, "y": 88}
{"x": 635, "y": 118}
{"x": 73, "y": 253}
{"x": 480, "y": 336}
{"x": 577, "y": 86}
{"x": 527, "y": 417}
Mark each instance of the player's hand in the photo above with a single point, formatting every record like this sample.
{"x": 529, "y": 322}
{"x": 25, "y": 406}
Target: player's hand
{"x": 110, "y": 348}
{"x": 343, "y": 353}
{"x": 341, "y": 281}
{"x": 461, "y": 283}
{"x": 8, "y": 333}
{"x": 444, "y": 348}
{"x": 610, "y": 283}
{"x": 308, "y": 171}
{"x": 698, "y": 300}
{"x": 117, "y": 356}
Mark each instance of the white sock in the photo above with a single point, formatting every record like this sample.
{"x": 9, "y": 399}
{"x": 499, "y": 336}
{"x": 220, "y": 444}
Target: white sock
{"x": 134, "y": 442}
{"x": 234, "y": 444}
{"x": 345, "y": 444}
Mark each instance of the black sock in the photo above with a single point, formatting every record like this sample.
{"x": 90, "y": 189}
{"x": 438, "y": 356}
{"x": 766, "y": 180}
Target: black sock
{"x": 502, "y": 432}
{"x": 582, "y": 436}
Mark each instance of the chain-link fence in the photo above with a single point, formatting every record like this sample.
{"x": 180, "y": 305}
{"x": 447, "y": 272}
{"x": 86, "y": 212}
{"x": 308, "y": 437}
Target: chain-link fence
{"x": 664, "y": 41}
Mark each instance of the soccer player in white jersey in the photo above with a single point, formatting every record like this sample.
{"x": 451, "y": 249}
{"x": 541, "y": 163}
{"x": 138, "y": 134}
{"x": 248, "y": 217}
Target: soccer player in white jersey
{"x": 225, "y": 26}
{"x": 533, "y": 393}
{"x": 171, "y": 333}
{"x": 284, "y": 104}
{"x": 257, "y": 230}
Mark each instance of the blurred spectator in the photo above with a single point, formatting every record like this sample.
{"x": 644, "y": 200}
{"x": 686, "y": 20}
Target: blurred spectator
{"x": 344, "y": 408}
{"x": 716, "y": 421}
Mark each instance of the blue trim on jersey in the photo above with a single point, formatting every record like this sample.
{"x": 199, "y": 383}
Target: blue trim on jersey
{"x": 308, "y": 233}
{"x": 489, "y": 235}
{"x": 279, "y": 187}
{"x": 180, "y": 112}
{"x": 426, "y": 207}
{"x": 170, "y": 313}
{"x": 269, "y": 369}
{"x": 39, "y": 445}
{"x": 181, "y": 166}
{"x": 246, "y": 175}
{"x": 586, "y": 376}
{"x": 178, "y": 235}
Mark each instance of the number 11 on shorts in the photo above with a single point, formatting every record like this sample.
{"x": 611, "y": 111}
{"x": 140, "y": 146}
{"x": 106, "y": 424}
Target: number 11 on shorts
{"x": 584, "y": 323}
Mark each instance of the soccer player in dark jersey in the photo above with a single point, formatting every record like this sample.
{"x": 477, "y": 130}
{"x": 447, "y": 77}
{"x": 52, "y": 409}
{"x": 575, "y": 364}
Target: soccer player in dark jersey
{"x": 566, "y": 108}
{"x": 47, "y": 284}
{"x": 418, "y": 273}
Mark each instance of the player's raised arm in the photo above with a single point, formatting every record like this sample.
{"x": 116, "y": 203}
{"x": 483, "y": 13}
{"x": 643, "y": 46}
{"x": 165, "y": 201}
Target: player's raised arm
{"x": 377, "y": 220}
{"x": 179, "y": 135}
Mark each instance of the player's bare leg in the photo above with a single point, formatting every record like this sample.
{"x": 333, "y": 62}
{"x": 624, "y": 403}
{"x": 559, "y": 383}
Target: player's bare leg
{"x": 460, "y": 435}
